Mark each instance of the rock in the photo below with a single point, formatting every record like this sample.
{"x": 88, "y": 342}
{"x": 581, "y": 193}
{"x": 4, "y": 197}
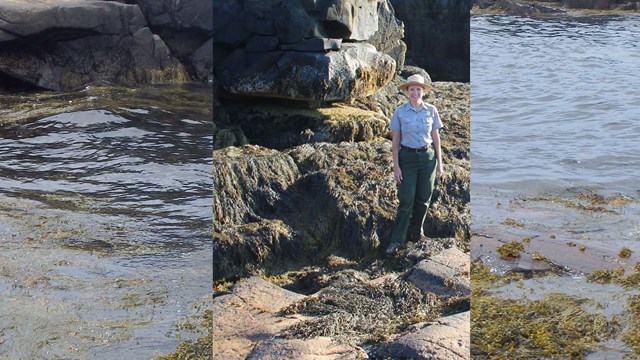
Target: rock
{"x": 248, "y": 315}
{"x": 184, "y": 25}
{"x": 52, "y": 19}
{"x": 437, "y": 36}
{"x": 187, "y": 27}
{"x": 449, "y": 215}
{"x": 347, "y": 19}
{"x": 590, "y": 4}
{"x": 298, "y": 50}
{"x": 309, "y": 349}
{"x": 249, "y": 321}
{"x": 245, "y": 249}
{"x": 388, "y": 38}
{"x": 227, "y": 136}
{"x": 515, "y": 7}
{"x": 66, "y": 46}
{"x": 281, "y": 127}
{"x": 254, "y": 180}
{"x": 355, "y": 309}
{"x": 447, "y": 338}
{"x": 353, "y": 194}
{"x": 315, "y": 44}
{"x": 356, "y": 70}
{"x": 201, "y": 62}
{"x": 335, "y": 198}
{"x": 331, "y": 198}
{"x": 446, "y": 274}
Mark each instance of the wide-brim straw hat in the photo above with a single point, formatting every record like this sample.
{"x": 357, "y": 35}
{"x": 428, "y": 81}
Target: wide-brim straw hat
{"x": 416, "y": 80}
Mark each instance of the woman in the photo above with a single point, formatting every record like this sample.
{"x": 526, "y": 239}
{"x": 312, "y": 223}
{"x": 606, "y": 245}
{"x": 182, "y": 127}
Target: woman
{"x": 417, "y": 160}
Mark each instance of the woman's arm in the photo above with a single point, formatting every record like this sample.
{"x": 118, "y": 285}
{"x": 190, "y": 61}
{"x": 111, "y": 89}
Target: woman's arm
{"x": 436, "y": 146}
{"x": 395, "y": 148}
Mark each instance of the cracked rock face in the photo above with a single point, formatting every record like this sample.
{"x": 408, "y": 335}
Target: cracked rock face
{"x": 68, "y": 45}
{"x": 315, "y": 52}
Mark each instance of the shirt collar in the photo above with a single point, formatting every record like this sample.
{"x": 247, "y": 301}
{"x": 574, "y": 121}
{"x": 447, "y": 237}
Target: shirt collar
{"x": 408, "y": 106}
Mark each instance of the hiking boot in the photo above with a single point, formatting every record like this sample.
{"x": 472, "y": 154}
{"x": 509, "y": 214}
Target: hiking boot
{"x": 392, "y": 248}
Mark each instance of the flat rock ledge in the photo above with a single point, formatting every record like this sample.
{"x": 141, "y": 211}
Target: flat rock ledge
{"x": 446, "y": 338}
{"x": 251, "y": 321}
{"x": 446, "y": 274}
{"x": 247, "y": 323}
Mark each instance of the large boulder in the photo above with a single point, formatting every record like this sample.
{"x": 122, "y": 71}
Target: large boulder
{"x": 67, "y": 45}
{"x": 356, "y": 70}
{"x": 388, "y": 38}
{"x": 307, "y": 51}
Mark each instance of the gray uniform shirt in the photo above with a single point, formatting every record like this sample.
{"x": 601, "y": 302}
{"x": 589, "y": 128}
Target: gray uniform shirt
{"x": 415, "y": 126}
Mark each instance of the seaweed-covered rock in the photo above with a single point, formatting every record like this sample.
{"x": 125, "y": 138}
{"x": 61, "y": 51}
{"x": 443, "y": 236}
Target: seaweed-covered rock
{"x": 333, "y": 198}
{"x": 357, "y": 309}
{"x": 280, "y": 127}
{"x": 330, "y": 198}
{"x": 247, "y": 182}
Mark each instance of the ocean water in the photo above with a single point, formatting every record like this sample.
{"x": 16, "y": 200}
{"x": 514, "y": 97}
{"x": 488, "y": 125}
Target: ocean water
{"x": 556, "y": 113}
{"x": 555, "y": 156}
{"x": 104, "y": 232}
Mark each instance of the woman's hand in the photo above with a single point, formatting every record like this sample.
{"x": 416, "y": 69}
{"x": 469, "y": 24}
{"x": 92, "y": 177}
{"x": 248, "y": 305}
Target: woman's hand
{"x": 439, "y": 169}
{"x": 397, "y": 174}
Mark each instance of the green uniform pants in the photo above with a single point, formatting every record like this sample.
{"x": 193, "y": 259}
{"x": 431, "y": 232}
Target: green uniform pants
{"x": 414, "y": 193}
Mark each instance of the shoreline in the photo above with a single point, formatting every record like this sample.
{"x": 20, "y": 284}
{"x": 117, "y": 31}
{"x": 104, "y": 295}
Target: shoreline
{"x": 555, "y": 271}
{"x": 544, "y": 9}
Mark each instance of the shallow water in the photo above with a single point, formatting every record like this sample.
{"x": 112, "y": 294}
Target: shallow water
{"x": 555, "y": 116}
{"x": 555, "y": 113}
{"x": 104, "y": 231}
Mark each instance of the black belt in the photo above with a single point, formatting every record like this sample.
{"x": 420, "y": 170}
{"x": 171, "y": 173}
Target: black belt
{"x": 418, "y": 150}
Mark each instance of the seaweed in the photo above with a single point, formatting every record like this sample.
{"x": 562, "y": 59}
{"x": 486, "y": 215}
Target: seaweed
{"x": 511, "y": 249}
